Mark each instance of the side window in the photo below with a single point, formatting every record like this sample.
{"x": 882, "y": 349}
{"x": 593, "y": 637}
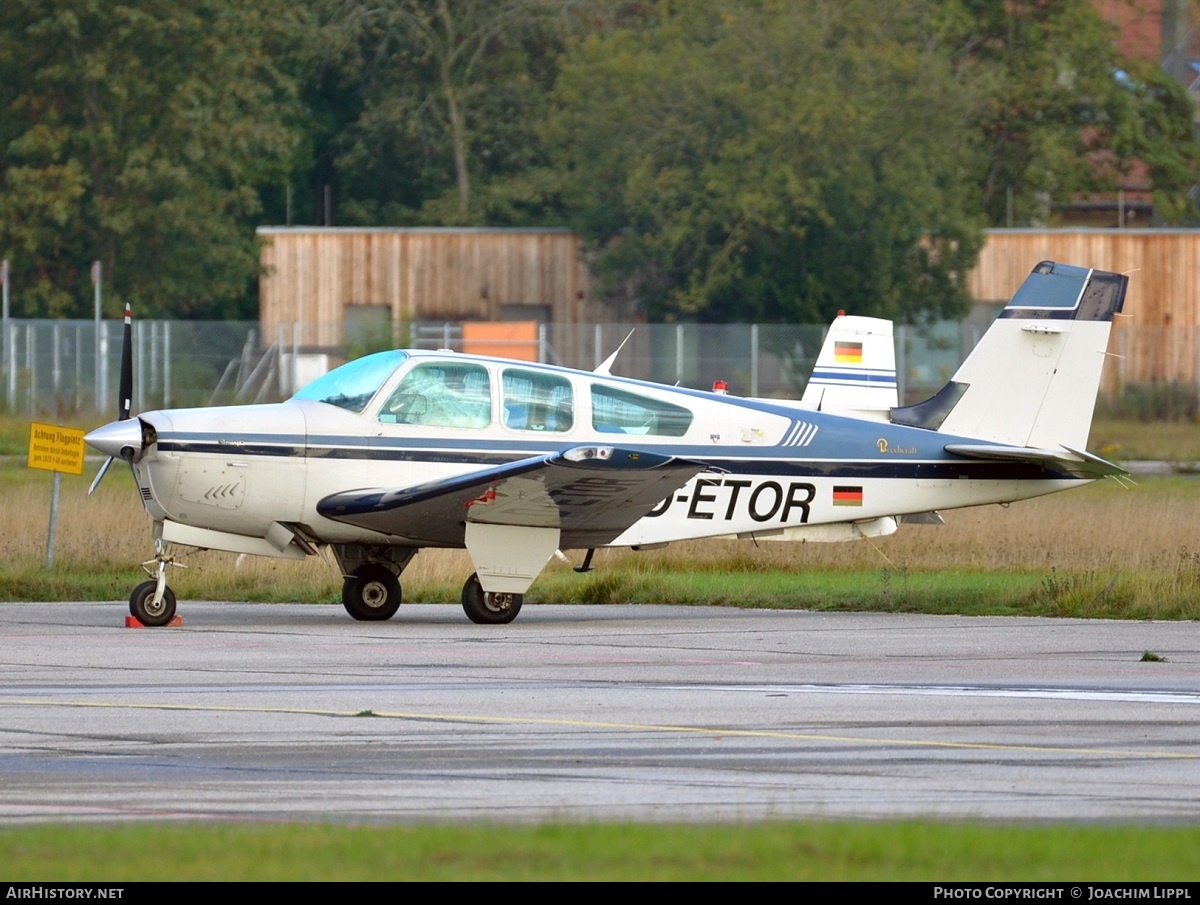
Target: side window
{"x": 441, "y": 394}
{"x": 534, "y": 401}
{"x": 618, "y": 412}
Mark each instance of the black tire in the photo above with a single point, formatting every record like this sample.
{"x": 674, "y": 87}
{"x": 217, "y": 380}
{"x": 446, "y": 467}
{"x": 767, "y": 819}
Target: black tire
{"x": 372, "y": 593}
{"x": 142, "y": 608}
{"x": 489, "y": 609}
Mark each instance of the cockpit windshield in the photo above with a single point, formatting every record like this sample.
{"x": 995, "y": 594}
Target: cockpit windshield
{"x": 352, "y": 385}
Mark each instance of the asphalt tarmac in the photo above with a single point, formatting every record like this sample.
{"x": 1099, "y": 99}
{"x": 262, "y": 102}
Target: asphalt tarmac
{"x": 592, "y": 713}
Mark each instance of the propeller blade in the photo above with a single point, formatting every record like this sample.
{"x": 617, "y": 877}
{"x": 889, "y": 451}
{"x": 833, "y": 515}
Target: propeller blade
{"x": 124, "y": 408}
{"x": 125, "y": 400}
{"x": 100, "y": 475}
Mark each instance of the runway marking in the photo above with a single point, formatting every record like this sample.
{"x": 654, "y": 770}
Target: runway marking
{"x": 970, "y": 691}
{"x": 634, "y": 727}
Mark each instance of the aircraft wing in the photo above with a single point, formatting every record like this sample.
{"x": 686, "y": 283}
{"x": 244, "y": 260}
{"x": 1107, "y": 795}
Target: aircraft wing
{"x": 590, "y": 493}
{"x": 1077, "y": 462}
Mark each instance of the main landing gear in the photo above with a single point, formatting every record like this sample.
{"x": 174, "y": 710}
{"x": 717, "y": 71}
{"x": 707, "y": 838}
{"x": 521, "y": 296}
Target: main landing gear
{"x": 489, "y": 607}
{"x": 371, "y": 593}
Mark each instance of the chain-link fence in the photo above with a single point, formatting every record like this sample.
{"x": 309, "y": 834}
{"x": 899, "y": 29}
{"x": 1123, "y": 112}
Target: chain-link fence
{"x": 64, "y": 367}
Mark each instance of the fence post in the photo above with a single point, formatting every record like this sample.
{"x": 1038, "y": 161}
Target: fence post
{"x": 78, "y": 399}
{"x": 102, "y": 366}
{"x": 31, "y": 361}
{"x": 678, "y": 353}
{"x": 56, "y": 364}
{"x": 166, "y": 364}
{"x": 101, "y": 344}
{"x": 754, "y": 359}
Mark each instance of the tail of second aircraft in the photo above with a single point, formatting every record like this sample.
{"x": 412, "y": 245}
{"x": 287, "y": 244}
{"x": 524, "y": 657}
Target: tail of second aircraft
{"x": 1033, "y": 378}
{"x": 855, "y": 372}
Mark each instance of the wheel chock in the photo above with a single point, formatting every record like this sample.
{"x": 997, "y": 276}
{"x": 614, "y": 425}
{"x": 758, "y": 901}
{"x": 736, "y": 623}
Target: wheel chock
{"x": 134, "y": 622}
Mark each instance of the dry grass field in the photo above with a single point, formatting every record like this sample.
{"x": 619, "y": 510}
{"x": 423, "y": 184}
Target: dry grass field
{"x": 1146, "y": 537}
{"x": 1148, "y": 534}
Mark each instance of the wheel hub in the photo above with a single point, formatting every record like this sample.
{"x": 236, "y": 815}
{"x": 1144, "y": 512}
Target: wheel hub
{"x": 374, "y": 594}
{"x": 498, "y": 601}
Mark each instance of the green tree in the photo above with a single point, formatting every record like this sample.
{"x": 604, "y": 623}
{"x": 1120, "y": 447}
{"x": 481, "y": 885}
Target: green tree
{"x": 1061, "y": 112}
{"x": 770, "y": 161}
{"x": 141, "y": 134}
{"x": 442, "y": 98}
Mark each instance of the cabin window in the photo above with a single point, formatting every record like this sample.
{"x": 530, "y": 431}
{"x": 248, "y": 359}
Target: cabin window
{"x": 534, "y": 401}
{"x": 352, "y": 385}
{"x": 619, "y": 412}
{"x": 441, "y": 394}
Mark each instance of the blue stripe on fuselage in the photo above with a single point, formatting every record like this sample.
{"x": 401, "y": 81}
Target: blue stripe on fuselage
{"x": 732, "y": 461}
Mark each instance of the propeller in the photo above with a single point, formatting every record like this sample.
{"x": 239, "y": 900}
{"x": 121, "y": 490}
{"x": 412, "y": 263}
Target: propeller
{"x": 119, "y": 438}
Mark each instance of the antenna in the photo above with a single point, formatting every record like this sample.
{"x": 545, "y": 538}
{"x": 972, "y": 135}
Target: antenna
{"x": 605, "y": 367}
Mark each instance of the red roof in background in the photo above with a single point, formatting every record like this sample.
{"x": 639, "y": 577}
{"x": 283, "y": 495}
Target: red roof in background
{"x": 1140, "y": 24}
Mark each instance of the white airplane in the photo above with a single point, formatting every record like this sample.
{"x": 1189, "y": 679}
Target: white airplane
{"x": 514, "y": 461}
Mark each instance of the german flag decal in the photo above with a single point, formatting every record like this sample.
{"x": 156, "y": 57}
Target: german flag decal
{"x": 847, "y": 496}
{"x": 847, "y": 353}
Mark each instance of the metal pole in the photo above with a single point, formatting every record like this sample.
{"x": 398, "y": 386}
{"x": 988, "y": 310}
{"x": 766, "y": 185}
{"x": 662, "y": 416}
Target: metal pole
{"x": 56, "y": 363}
{"x": 678, "y": 353}
{"x": 8, "y": 341}
{"x": 101, "y": 372}
{"x": 78, "y": 367}
{"x": 154, "y": 370}
{"x": 166, "y": 364}
{"x": 901, "y": 368}
{"x": 4, "y": 286}
{"x": 281, "y": 339}
{"x": 53, "y": 529}
{"x": 754, "y": 359}
{"x": 31, "y": 362}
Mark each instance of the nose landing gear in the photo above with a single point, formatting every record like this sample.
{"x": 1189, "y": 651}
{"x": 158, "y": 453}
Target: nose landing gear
{"x": 152, "y": 603}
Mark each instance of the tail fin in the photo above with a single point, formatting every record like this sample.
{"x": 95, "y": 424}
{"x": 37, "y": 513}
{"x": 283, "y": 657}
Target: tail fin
{"x": 1033, "y": 378}
{"x": 855, "y": 372}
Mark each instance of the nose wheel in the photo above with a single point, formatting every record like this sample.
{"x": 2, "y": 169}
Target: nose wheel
{"x": 152, "y": 603}
{"x": 489, "y": 607}
{"x": 371, "y": 593}
{"x": 150, "y": 608}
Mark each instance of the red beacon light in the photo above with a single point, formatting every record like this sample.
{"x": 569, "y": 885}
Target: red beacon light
{"x": 720, "y": 387}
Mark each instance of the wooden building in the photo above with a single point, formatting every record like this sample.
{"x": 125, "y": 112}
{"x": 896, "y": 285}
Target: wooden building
{"x": 1156, "y": 338}
{"x": 338, "y": 282}
{"x": 329, "y": 289}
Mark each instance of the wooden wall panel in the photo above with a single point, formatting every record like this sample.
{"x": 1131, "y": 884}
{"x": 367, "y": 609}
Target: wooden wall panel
{"x": 310, "y": 275}
{"x": 1157, "y": 336}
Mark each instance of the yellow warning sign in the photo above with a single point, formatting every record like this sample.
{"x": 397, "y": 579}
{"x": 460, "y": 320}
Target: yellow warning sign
{"x": 56, "y": 448}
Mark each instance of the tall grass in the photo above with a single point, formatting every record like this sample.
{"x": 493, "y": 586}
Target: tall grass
{"x": 1100, "y": 550}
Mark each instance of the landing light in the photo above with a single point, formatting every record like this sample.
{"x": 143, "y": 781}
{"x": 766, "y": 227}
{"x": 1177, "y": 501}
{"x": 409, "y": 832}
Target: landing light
{"x": 583, "y": 453}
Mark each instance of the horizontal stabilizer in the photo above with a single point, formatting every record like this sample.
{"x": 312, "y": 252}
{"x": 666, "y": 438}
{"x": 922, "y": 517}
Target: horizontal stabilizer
{"x": 1075, "y": 462}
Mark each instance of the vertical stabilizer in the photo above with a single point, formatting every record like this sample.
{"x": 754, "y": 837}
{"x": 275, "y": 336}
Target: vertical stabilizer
{"x": 1033, "y": 378}
{"x": 855, "y": 373}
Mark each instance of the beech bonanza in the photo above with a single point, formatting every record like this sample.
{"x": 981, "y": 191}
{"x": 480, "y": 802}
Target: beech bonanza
{"x": 514, "y": 461}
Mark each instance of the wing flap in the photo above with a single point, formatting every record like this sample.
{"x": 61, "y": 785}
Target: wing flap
{"x": 589, "y": 492}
